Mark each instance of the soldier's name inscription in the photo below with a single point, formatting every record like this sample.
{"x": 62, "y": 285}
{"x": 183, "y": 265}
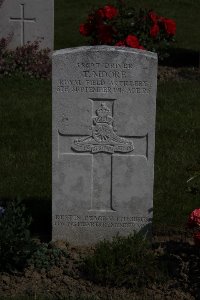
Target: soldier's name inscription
{"x": 104, "y": 78}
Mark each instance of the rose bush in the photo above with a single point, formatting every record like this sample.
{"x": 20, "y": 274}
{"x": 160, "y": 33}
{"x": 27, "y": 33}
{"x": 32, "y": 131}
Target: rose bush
{"x": 27, "y": 60}
{"x": 124, "y": 26}
{"x": 194, "y": 218}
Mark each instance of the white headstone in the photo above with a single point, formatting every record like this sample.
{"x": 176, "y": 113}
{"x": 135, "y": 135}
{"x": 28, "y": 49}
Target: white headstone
{"x": 104, "y": 103}
{"x": 27, "y": 20}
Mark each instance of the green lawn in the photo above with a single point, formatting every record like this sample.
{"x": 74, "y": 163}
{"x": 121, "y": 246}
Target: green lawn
{"x": 177, "y": 150}
{"x": 25, "y": 153}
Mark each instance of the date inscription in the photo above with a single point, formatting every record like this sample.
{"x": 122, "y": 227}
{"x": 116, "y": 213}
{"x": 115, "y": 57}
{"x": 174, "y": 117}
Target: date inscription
{"x": 103, "y": 78}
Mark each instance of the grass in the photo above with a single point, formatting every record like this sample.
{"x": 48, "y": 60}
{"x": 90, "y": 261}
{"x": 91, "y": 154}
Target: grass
{"x": 177, "y": 149}
{"x": 25, "y": 155}
{"x": 124, "y": 261}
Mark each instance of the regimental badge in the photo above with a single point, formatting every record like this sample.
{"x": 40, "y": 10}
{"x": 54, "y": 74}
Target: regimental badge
{"x": 103, "y": 137}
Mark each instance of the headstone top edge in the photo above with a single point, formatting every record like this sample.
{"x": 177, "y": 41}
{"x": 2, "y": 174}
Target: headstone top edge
{"x": 105, "y": 48}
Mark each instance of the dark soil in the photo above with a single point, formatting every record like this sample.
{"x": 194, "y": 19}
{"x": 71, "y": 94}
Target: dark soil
{"x": 183, "y": 261}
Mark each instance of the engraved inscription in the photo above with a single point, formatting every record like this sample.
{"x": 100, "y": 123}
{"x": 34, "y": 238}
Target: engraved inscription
{"x": 22, "y": 20}
{"x": 101, "y": 221}
{"x": 103, "y": 137}
{"x": 104, "y": 78}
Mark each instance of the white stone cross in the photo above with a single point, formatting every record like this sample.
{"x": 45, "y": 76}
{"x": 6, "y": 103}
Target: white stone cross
{"x": 104, "y": 147}
{"x": 22, "y": 20}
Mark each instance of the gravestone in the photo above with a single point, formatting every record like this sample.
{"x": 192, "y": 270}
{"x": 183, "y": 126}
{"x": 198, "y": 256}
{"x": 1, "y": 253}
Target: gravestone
{"x": 27, "y": 20}
{"x": 104, "y": 102}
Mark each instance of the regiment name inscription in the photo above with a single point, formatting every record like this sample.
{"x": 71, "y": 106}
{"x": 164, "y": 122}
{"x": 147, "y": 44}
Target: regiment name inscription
{"x": 110, "y": 80}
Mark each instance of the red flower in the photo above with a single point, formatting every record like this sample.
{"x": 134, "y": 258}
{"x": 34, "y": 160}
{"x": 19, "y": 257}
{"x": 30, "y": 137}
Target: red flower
{"x": 154, "y": 30}
{"x": 110, "y": 12}
{"x": 194, "y": 218}
{"x": 104, "y": 34}
{"x": 170, "y": 26}
{"x": 120, "y": 43}
{"x": 153, "y": 16}
{"x": 132, "y": 41}
{"x": 141, "y": 47}
{"x": 85, "y": 29}
{"x": 100, "y": 13}
{"x": 196, "y": 237}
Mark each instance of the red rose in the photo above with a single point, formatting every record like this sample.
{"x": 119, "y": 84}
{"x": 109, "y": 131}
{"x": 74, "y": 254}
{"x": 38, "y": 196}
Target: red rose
{"x": 141, "y": 47}
{"x": 104, "y": 34}
{"x": 161, "y": 19}
{"x": 100, "y": 13}
{"x": 154, "y": 30}
{"x": 153, "y": 16}
{"x": 194, "y": 218}
{"x": 120, "y": 43}
{"x": 132, "y": 41}
{"x": 110, "y": 11}
{"x": 85, "y": 29}
{"x": 170, "y": 26}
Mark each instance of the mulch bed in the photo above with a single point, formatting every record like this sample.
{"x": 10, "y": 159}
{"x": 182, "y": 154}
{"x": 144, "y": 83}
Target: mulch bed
{"x": 183, "y": 259}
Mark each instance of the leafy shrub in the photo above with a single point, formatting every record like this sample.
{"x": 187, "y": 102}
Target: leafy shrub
{"x": 15, "y": 241}
{"x": 125, "y": 261}
{"x": 27, "y": 60}
{"x": 47, "y": 256}
{"x": 121, "y": 25}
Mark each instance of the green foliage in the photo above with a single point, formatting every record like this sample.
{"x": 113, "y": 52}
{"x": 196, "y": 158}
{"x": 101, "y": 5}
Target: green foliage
{"x": 15, "y": 241}
{"x": 69, "y": 14}
{"x": 125, "y": 261}
{"x": 28, "y": 60}
{"x": 123, "y": 25}
{"x": 47, "y": 256}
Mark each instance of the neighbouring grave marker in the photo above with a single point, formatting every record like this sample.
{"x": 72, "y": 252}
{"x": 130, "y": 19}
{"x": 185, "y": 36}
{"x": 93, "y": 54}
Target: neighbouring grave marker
{"x": 27, "y": 20}
{"x": 104, "y": 102}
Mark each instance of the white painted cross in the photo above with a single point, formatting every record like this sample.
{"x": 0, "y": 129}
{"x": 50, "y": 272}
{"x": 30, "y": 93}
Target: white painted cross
{"x": 104, "y": 153}
{"x": 22, "y": 20}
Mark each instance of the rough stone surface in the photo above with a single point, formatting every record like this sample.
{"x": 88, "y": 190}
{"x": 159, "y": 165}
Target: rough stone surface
{"x": 27, "y": 20}
{"x": 104, "y": 103}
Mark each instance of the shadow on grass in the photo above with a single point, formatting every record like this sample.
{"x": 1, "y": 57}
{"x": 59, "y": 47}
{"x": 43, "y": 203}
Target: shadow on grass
{"x": 179, "y": 57}
{"x": 40, "y": 211}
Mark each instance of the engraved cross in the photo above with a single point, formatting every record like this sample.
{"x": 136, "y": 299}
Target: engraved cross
{"x": 104, "y": 146}
{"x": 22, "y": 20}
